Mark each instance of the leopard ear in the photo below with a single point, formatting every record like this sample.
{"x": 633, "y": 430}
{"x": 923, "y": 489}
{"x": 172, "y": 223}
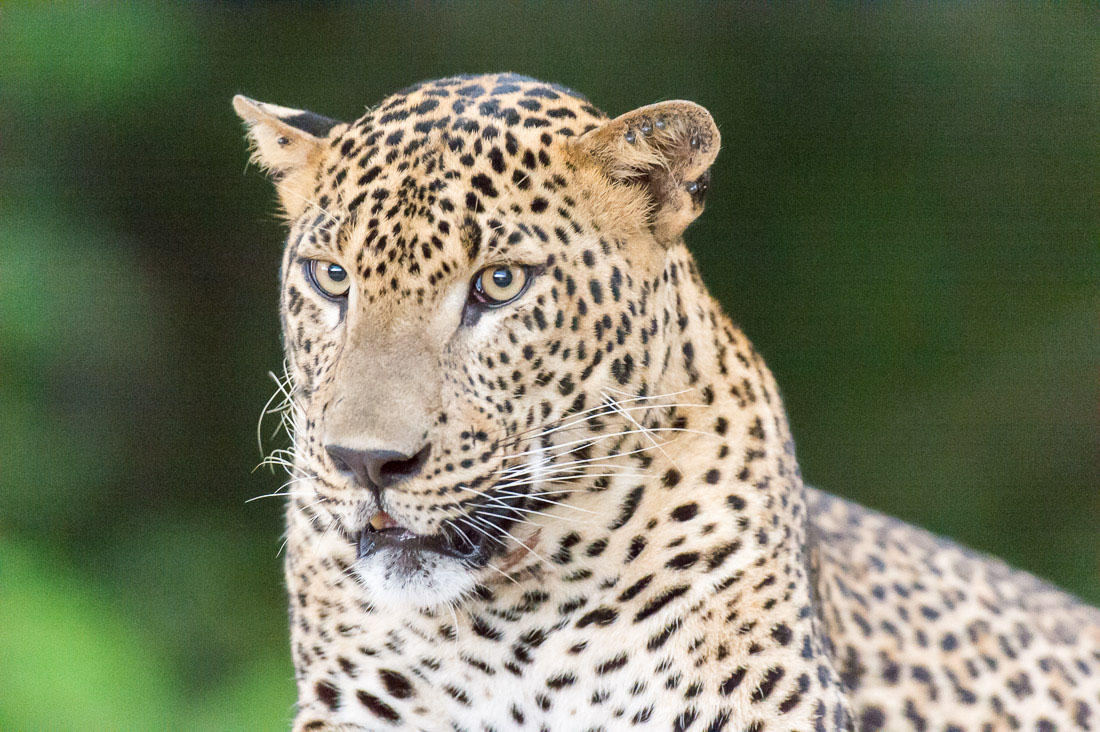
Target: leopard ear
{"x": 287, "y": 143}
{"x": 665, "y": 150}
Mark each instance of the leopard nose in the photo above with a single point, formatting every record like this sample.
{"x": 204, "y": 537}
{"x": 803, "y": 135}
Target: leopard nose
{"x": 378, "y": 468}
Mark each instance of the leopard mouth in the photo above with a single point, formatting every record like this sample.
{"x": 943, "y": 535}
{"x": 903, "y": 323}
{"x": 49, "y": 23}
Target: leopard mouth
{"x": 383, "y": 532}
{"x": 472, "y": 540}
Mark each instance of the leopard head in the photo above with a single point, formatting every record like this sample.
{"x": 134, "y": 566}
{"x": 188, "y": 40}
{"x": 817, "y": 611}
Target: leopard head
{"x": 478, "y": 314}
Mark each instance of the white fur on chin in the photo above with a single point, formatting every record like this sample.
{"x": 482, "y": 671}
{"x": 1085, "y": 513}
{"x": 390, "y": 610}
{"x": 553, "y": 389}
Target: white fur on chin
{"x": 437, "y": 582}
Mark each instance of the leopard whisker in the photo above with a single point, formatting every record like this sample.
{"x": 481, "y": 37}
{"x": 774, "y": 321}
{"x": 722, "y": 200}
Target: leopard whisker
{"x": 646, "y": 432}
{"x": 346, "y": 573}
{"x": 601, "y": 410}
{"x": 466, "y": 520}
{"x": 583, "y": 441}
{"x": 266, "y": 411}
{"x": 276, "y": 494}
{"x": 600, "y": 461}
{"x": 286, "y": 539}
{"x": 500, "y": 571}
{"x": 564, "y": 447}
{"x": 290, "y": 467}
{"x": 510, "y": 536}
{"x": 482, "y": 512}
{"x": 545, "y": 493}
{"x": 539, "y": 513}
{"x": 454, "y": 617}
{"x": 562, "y": 479}
{"x": 280, "y": 490}
{"x": 581, "y": 420}
{"x": 324, "y": 534}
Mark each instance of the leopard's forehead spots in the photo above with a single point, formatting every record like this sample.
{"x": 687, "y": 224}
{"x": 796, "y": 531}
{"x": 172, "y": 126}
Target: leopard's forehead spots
{"x": 484, "y": 130}
{"x": 444, "y": 172}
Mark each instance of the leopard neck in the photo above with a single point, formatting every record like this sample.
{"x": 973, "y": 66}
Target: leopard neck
{"x": 736, "y": 442}
{"x": 713, "y": 488}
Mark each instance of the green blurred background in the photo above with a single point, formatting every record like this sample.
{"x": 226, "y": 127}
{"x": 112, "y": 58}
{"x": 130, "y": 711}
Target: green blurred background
{"x": 904, "y": 218}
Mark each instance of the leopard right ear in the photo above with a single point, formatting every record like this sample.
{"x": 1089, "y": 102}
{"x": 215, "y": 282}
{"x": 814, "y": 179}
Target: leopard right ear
{"x": 287, "y": 143}
{"x": 664, "y": 152}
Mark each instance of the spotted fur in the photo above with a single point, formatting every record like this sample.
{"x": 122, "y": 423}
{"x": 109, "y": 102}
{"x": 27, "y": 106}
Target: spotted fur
{"x": 645, "y": 554}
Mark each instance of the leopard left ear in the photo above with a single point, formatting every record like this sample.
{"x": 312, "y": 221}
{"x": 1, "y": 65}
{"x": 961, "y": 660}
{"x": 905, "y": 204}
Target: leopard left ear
{"x": 664, "y": 149}
{"x": 287, "y": 143}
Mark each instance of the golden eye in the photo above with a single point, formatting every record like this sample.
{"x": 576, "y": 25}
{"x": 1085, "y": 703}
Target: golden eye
{"x": 329, "y": 278}
{"x": 498, "y": 285}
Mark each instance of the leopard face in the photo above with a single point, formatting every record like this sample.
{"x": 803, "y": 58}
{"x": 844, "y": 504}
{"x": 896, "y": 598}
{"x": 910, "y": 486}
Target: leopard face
{"x": 472, "y": 300}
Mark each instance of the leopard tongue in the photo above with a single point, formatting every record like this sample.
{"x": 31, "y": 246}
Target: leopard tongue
{"x": 382, "y": 521}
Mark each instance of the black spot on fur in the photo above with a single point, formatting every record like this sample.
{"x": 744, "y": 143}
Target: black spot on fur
{"x": 628, "y": 507}
{"x": 660, "y": 601}
{"x": 686, "y": 512}
{"x": 484, "y": 184}
{"x": 377, "y": 707}
{"x": 328, "y": 694}
{"x": 396, "y": 685}
{"x": 600, "y": 616}
{"x": 733, "y": 681}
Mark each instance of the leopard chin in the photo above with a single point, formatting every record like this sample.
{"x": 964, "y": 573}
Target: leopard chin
{"x": 402, "y": 578}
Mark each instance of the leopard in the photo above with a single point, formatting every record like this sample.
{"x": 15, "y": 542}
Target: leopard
{"x": 540, "y": 480}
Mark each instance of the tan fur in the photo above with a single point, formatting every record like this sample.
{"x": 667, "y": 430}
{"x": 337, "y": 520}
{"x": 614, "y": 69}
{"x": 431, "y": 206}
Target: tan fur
{"x": 289, "y": 154}
{"x": 660, "y": 150}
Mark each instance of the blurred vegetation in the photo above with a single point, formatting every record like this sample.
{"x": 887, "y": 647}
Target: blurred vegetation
{"x": 904, "y": 219}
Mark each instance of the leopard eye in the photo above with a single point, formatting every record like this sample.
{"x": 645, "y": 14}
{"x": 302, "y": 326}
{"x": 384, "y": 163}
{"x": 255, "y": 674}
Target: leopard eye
{"x": 328, "y": 278}
{"x": 498, "y": 285}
